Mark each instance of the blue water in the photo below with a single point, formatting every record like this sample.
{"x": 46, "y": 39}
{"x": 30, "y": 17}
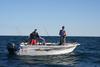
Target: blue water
{"x": 85, "y": 55}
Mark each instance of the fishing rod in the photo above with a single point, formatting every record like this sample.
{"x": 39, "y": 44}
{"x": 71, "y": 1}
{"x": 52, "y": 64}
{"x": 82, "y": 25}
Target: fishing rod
{"x": 45, "y": 30}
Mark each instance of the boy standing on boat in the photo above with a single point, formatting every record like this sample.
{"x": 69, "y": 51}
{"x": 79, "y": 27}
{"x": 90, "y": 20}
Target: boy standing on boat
{"x": 62, "y": 34}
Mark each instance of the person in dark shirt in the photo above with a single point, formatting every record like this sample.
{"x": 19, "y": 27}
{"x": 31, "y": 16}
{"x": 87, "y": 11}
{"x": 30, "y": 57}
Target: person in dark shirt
{"x": 34, "y": 36}
{"x": 62, "y": 34}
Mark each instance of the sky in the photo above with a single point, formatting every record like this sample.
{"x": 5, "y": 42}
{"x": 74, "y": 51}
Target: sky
{"x": 21, "y": 17}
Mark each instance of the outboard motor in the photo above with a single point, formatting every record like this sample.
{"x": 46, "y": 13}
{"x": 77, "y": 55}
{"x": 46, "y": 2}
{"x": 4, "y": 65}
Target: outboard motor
{"x": 11, "y": 47}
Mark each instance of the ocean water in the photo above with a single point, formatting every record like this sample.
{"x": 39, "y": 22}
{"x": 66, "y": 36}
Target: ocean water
{"x": 87, "y": 54}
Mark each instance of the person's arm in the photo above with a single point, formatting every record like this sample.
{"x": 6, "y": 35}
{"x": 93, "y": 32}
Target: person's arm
{"x": 38, "y": 35}
{"x": 60, "y": 32}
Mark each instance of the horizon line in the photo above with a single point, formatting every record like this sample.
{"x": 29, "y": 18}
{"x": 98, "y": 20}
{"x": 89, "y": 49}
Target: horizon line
{"x": 56, "y": 35}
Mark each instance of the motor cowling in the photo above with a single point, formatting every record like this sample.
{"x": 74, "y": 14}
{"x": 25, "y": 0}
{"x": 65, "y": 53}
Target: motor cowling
{"x": 11, "y": 47}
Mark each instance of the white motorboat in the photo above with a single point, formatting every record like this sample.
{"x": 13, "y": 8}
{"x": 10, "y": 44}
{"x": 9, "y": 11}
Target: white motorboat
{"x": 48, "y": 49}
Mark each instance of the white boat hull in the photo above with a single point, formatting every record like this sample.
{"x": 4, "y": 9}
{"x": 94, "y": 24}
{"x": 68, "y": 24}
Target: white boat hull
{"x": 38, "y": 50}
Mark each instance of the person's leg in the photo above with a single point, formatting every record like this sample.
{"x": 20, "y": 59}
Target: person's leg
{"x": 61, "y": 40}
{"x": 33, "y": 42}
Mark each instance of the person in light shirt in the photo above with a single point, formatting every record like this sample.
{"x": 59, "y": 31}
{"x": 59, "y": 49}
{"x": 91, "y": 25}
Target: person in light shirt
{"x": 62, "y": 34}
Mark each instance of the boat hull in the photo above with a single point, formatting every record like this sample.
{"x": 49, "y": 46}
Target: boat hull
{"x": 38, "y": 50}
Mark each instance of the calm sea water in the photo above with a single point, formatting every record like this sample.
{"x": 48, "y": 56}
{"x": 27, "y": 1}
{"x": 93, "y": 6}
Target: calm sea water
{"x": 85, "y": 55}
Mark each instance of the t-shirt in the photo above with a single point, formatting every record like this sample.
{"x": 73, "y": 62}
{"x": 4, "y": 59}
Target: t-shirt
{"x": 62, "y": 33}
{"x": 34, "y": 35}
